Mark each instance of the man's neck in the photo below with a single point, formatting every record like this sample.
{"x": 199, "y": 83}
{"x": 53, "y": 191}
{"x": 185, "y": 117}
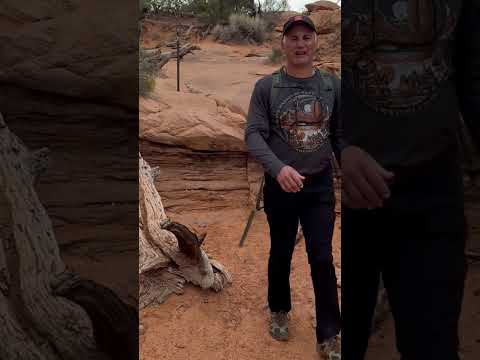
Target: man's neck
{"x": 300, "y": 72}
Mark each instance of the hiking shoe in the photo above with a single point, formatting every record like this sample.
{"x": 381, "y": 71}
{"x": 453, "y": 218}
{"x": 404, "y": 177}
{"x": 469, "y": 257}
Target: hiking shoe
{"x": 279, "y": 325}
{"x": 330, "y": 349}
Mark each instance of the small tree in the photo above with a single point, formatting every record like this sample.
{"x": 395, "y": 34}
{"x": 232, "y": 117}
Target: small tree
{"x": 172, "y": 7}
{"x": 271, "y": 6}
{"x": 218, "y": 11}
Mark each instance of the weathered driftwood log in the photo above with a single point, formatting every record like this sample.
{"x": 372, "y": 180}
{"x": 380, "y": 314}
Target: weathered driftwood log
{"x": 46, "y": 311}
{"x": 170, "y": 253}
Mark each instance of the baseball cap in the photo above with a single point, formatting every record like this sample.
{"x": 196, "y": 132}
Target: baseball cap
{"x": 298, "y": 19}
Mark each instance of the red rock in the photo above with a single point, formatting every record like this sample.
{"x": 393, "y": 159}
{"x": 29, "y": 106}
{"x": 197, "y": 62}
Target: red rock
{"x": 321, "y": 5}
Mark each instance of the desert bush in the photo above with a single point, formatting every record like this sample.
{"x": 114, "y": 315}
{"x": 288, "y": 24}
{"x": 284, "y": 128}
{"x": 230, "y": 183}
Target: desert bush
{"x": 241, "y": 28}
{"x": 210, "y": 12}
{"x": 146, "y": 74}
{"x": 271, "y": 6}
{"x": 217, "y": 32}
{"x": 275, "y": 56}
{"x": 171, "y": 7}
{"x": 146, "y": 84}
{"x": 214, "y": 12}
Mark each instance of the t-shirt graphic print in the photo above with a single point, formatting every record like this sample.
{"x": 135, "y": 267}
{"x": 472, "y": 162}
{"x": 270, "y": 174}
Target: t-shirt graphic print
{"x": 303, "y": 117}
{"x": 398, "y": 53}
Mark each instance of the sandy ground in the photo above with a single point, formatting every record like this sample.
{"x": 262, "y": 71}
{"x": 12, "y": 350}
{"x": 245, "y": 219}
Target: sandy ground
{"x": 220, "y": 70}
{"x": 233, "y": 324}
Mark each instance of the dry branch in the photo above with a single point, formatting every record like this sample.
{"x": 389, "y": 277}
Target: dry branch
{"x": 159, "y": 59}
{"x": 170, "y": 253}
{"x": 184, "y": 50}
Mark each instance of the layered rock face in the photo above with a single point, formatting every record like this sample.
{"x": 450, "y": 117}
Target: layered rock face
{"x": 198, "y": 143}
{"x": 64, "y": 67}
{"x": 65, "y": 48}
{"x": 327, "y": 18}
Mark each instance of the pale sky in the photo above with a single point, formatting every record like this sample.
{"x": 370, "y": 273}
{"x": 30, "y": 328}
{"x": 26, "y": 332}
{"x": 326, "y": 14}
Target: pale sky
{"x": 299, "y": 5}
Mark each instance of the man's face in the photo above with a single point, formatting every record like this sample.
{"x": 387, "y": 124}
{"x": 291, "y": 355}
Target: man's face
{"x": 299, "y": 45}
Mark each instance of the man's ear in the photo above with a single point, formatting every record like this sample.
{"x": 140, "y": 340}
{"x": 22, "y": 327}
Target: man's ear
{"x": 282, "y": 42}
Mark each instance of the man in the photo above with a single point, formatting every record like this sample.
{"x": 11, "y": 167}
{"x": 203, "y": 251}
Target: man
{"x": 409, "y": 68}
{"x": 292, "y": 129}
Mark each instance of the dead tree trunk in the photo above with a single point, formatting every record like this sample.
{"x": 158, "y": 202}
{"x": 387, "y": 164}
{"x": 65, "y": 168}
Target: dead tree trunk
{"x": 159, "y": 59}
{"x": 44, "y": 308}
{"x": 170, "y": 253}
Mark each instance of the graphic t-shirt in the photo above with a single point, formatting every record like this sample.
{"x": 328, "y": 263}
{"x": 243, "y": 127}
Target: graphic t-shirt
{"x": 304, "y": 120}
{"x": 398, "y": 77}
{"x": 299, "y": 126}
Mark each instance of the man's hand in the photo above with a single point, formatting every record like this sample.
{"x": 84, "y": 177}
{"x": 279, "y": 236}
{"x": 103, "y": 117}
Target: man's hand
{"x": 364, "y": 181}
{"x": 290, "y": 179}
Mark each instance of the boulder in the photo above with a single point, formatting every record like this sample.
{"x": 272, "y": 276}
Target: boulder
{"x": 92, "y": 60}
{"x": 327, "y": 22}
{"x": 192, "y": 121}
{"x": 321, "y": 5}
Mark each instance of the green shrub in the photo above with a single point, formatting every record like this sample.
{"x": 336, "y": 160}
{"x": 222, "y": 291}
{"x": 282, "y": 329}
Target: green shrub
{"x": 146, "y": 84}
{"x": 214, "y": 12}
{"x": 210, "y": 12}
{"x": 271, "y": 21}
{"x": 275, "y": 56}
{"x": 146, "y": 74}
{"x": 271, "y": 6}
{"x": 241, "y": 28}
{"x": 217, "y": 32}
{"x": 169, "y": 7}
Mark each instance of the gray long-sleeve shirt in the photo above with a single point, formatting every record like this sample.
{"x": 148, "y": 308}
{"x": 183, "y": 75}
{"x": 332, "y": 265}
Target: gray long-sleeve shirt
{"x": 300, "y": 128}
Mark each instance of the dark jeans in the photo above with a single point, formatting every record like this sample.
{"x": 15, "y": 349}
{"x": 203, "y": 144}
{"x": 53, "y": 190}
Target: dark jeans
{"x": 314, "y": 207}
{"x": 416, "y": 243}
